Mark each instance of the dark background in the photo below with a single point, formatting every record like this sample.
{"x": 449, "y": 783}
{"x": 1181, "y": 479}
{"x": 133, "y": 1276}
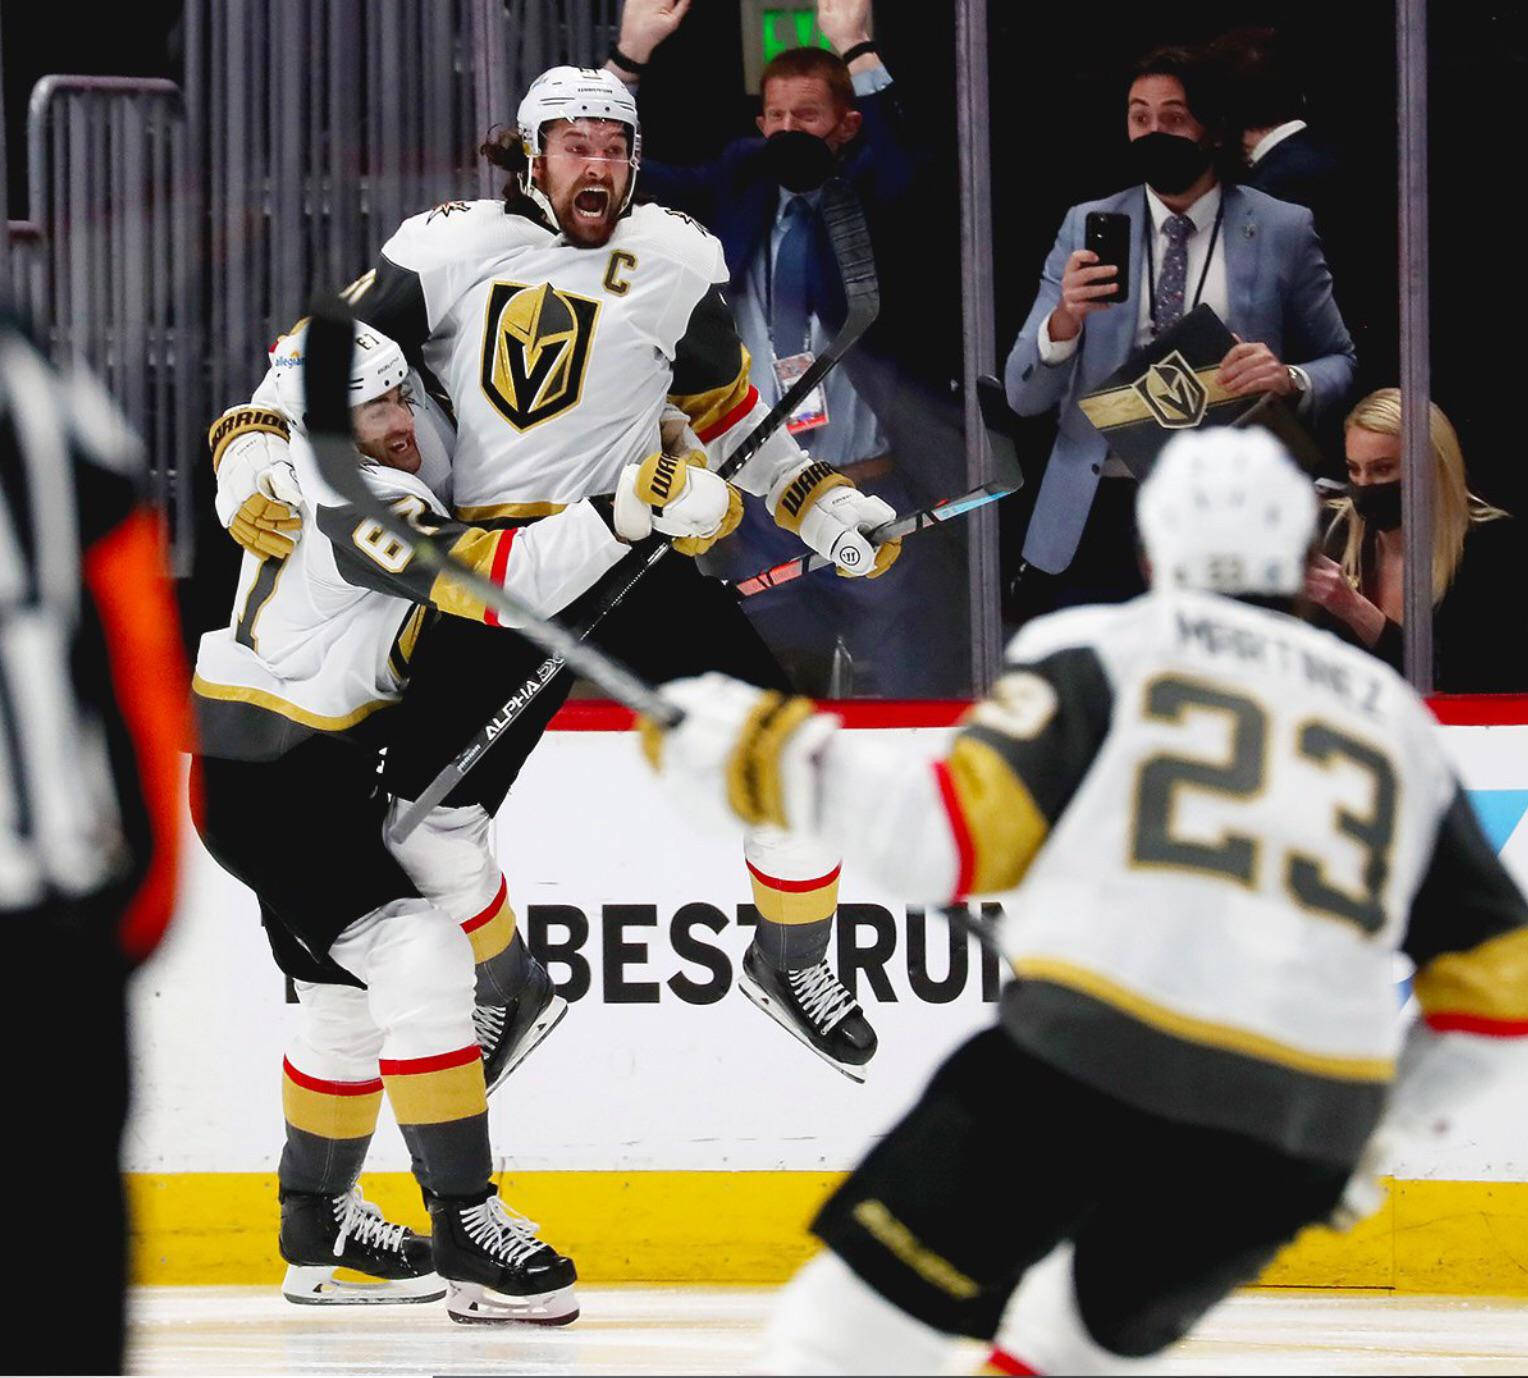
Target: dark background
{"x": 1058, "y": 75}
{"x": 1057, "y": 134}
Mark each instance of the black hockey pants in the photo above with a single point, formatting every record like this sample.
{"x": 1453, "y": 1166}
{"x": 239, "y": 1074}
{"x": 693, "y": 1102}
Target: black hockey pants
{"x": 1004, "y": 1156}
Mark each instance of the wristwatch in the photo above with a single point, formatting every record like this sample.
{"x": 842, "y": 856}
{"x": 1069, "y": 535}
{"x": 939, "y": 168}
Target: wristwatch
{"x": 1297, "y": 379}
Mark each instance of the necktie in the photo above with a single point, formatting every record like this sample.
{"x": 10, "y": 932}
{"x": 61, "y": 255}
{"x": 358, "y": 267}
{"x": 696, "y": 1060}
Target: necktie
{"x": 1173, "y": 281}
{"x": 790, "y": 310}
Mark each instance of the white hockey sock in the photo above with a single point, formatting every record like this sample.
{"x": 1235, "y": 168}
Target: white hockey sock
{"x": 1043, "y": 1331}
{"x": 828, "y": 1320}
{"x": 450, "y": 857}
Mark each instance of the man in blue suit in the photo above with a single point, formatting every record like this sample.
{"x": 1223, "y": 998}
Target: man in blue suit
{"x": 1255, "y": 261}
{"x": 788, "y": 300}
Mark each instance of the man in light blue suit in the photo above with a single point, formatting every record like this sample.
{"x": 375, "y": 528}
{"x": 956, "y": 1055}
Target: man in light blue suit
{"x": 1256, "y": 262}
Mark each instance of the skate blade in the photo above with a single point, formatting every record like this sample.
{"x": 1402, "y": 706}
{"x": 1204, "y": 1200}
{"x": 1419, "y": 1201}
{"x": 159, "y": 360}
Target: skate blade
{"x": 549, "y": 1019}
{"x": 318, "y": 1285}
{"x": 471, "y": 1303}
{"x": 761, "y": 999}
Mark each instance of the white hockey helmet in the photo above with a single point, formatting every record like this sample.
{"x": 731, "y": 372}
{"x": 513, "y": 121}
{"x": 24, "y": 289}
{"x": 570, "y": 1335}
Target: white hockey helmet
{"x": 576, "y": 93}
{"x": 1227, "y": 510}
{"x": 377, "y": 365}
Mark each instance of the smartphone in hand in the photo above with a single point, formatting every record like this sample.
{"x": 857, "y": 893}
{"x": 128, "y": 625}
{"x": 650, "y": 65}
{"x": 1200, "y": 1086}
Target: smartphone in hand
{"x": 1107, "y": 234}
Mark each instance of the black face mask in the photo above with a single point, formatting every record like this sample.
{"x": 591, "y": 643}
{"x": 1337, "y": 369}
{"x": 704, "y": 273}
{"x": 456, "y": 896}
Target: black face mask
{"x": 798, "y": 161}
{"x": 1167, "y": 163}
{"x": 1379, "y": 504}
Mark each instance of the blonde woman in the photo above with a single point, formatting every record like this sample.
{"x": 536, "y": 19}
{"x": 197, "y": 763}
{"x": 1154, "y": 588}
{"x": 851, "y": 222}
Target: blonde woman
{"x": 1477, "y": 572}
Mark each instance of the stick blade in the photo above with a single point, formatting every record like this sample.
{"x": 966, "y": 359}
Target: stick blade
{"x": 999, "y": 420}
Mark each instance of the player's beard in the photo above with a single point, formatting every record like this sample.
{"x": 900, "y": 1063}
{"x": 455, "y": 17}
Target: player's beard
{"x": 576, "y": 212}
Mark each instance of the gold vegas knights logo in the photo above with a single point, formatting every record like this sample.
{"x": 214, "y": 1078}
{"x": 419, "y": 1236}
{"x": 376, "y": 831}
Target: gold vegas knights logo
{"x": 1174, "y": 394}
{"x": 536, "y": 350}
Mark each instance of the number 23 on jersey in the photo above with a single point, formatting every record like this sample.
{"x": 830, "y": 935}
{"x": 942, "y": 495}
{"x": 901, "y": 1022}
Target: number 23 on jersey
{"x": 1359, "y": 827}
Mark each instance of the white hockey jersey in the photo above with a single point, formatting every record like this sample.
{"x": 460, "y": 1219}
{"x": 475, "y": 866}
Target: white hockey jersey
{"x": 320, "y": 641}
{"x": 557, "y": 359}
{"x": 1225, "y": 823}
{"x": 305, "y": 650}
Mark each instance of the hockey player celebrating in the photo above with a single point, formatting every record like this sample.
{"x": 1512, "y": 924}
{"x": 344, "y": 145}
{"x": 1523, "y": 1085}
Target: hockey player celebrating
{"x": 557, "y": 322}
{"x": 291, "y": 696}
{"x": 1213, "y": 826}
{"x": 404, "y": 430}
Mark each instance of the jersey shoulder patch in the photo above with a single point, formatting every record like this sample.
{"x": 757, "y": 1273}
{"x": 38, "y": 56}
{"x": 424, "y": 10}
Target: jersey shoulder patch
{"x": 676, "y": 236}
{"x": 450, "y": 231}
{"x": 447, "y": 209}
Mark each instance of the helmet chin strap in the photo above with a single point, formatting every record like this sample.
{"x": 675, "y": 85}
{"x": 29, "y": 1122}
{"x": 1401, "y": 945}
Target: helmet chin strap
{"x": 529, "y": 187}
{"x": 632, "y": 163}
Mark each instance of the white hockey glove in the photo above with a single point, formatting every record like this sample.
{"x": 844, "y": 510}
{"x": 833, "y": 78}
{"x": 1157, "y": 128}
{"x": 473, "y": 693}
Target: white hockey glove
{"x": 742, "y": 754}
{"x": 258, "y": 499}
{"x": 676, "y": 495}
{"x": 832, "y": 517}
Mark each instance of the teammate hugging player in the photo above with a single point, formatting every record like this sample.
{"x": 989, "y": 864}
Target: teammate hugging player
{"x": 1217, "y": 824}
{"x": 557, "y": 321}
{"x": 294, "y": 697}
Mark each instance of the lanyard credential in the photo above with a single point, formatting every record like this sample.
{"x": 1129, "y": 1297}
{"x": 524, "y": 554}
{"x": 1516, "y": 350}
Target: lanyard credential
{"x": 1151, "y": 263}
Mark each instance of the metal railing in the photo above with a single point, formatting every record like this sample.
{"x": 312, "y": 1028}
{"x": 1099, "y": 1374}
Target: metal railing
{"x": 169, "y": 241}
{"x": 105, "y": 264}
{"x": 327, "y": 123}
{"x": 321, "y": 126}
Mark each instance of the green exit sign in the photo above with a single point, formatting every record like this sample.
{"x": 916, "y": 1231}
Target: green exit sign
{"x": 771, "y": 27}
{"x": 786, "y": 27}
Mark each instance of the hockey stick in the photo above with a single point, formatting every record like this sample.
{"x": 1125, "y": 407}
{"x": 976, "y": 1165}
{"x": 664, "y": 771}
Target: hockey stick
{"x": 1009, "y": 478}
{"x": 326, "y": 371}
{"x": 850, "y": 241}
{"x": 793, "y": 569}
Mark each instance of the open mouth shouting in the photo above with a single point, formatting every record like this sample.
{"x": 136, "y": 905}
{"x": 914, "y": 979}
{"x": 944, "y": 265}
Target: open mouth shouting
{"x": 592, "y": 204}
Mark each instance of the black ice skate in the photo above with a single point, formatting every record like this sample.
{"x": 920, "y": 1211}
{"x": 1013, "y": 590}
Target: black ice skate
{"x": 508, "y": 1033}
{"x": 321, "y": 1235}
{"x": 813, "y": 1005}
{"x": 495, "y": 1267}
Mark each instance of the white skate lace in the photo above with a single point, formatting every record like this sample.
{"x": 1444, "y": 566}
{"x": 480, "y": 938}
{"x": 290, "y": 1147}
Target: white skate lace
{"x": 364, "y": 1222}
{"x": 488, "y": 1024}
{"x": 823, "y": 1000}
{"x": 501, "y": 1231}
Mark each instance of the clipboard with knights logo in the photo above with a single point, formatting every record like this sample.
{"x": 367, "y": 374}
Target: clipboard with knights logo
{"x": 1169, "y": 386}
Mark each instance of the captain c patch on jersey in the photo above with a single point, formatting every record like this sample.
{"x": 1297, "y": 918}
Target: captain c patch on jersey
{"x": 536, "y": 344}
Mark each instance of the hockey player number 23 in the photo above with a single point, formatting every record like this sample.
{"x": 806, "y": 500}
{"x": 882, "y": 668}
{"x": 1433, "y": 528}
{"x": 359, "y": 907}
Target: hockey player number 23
{"x": 1237, "y": 855}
